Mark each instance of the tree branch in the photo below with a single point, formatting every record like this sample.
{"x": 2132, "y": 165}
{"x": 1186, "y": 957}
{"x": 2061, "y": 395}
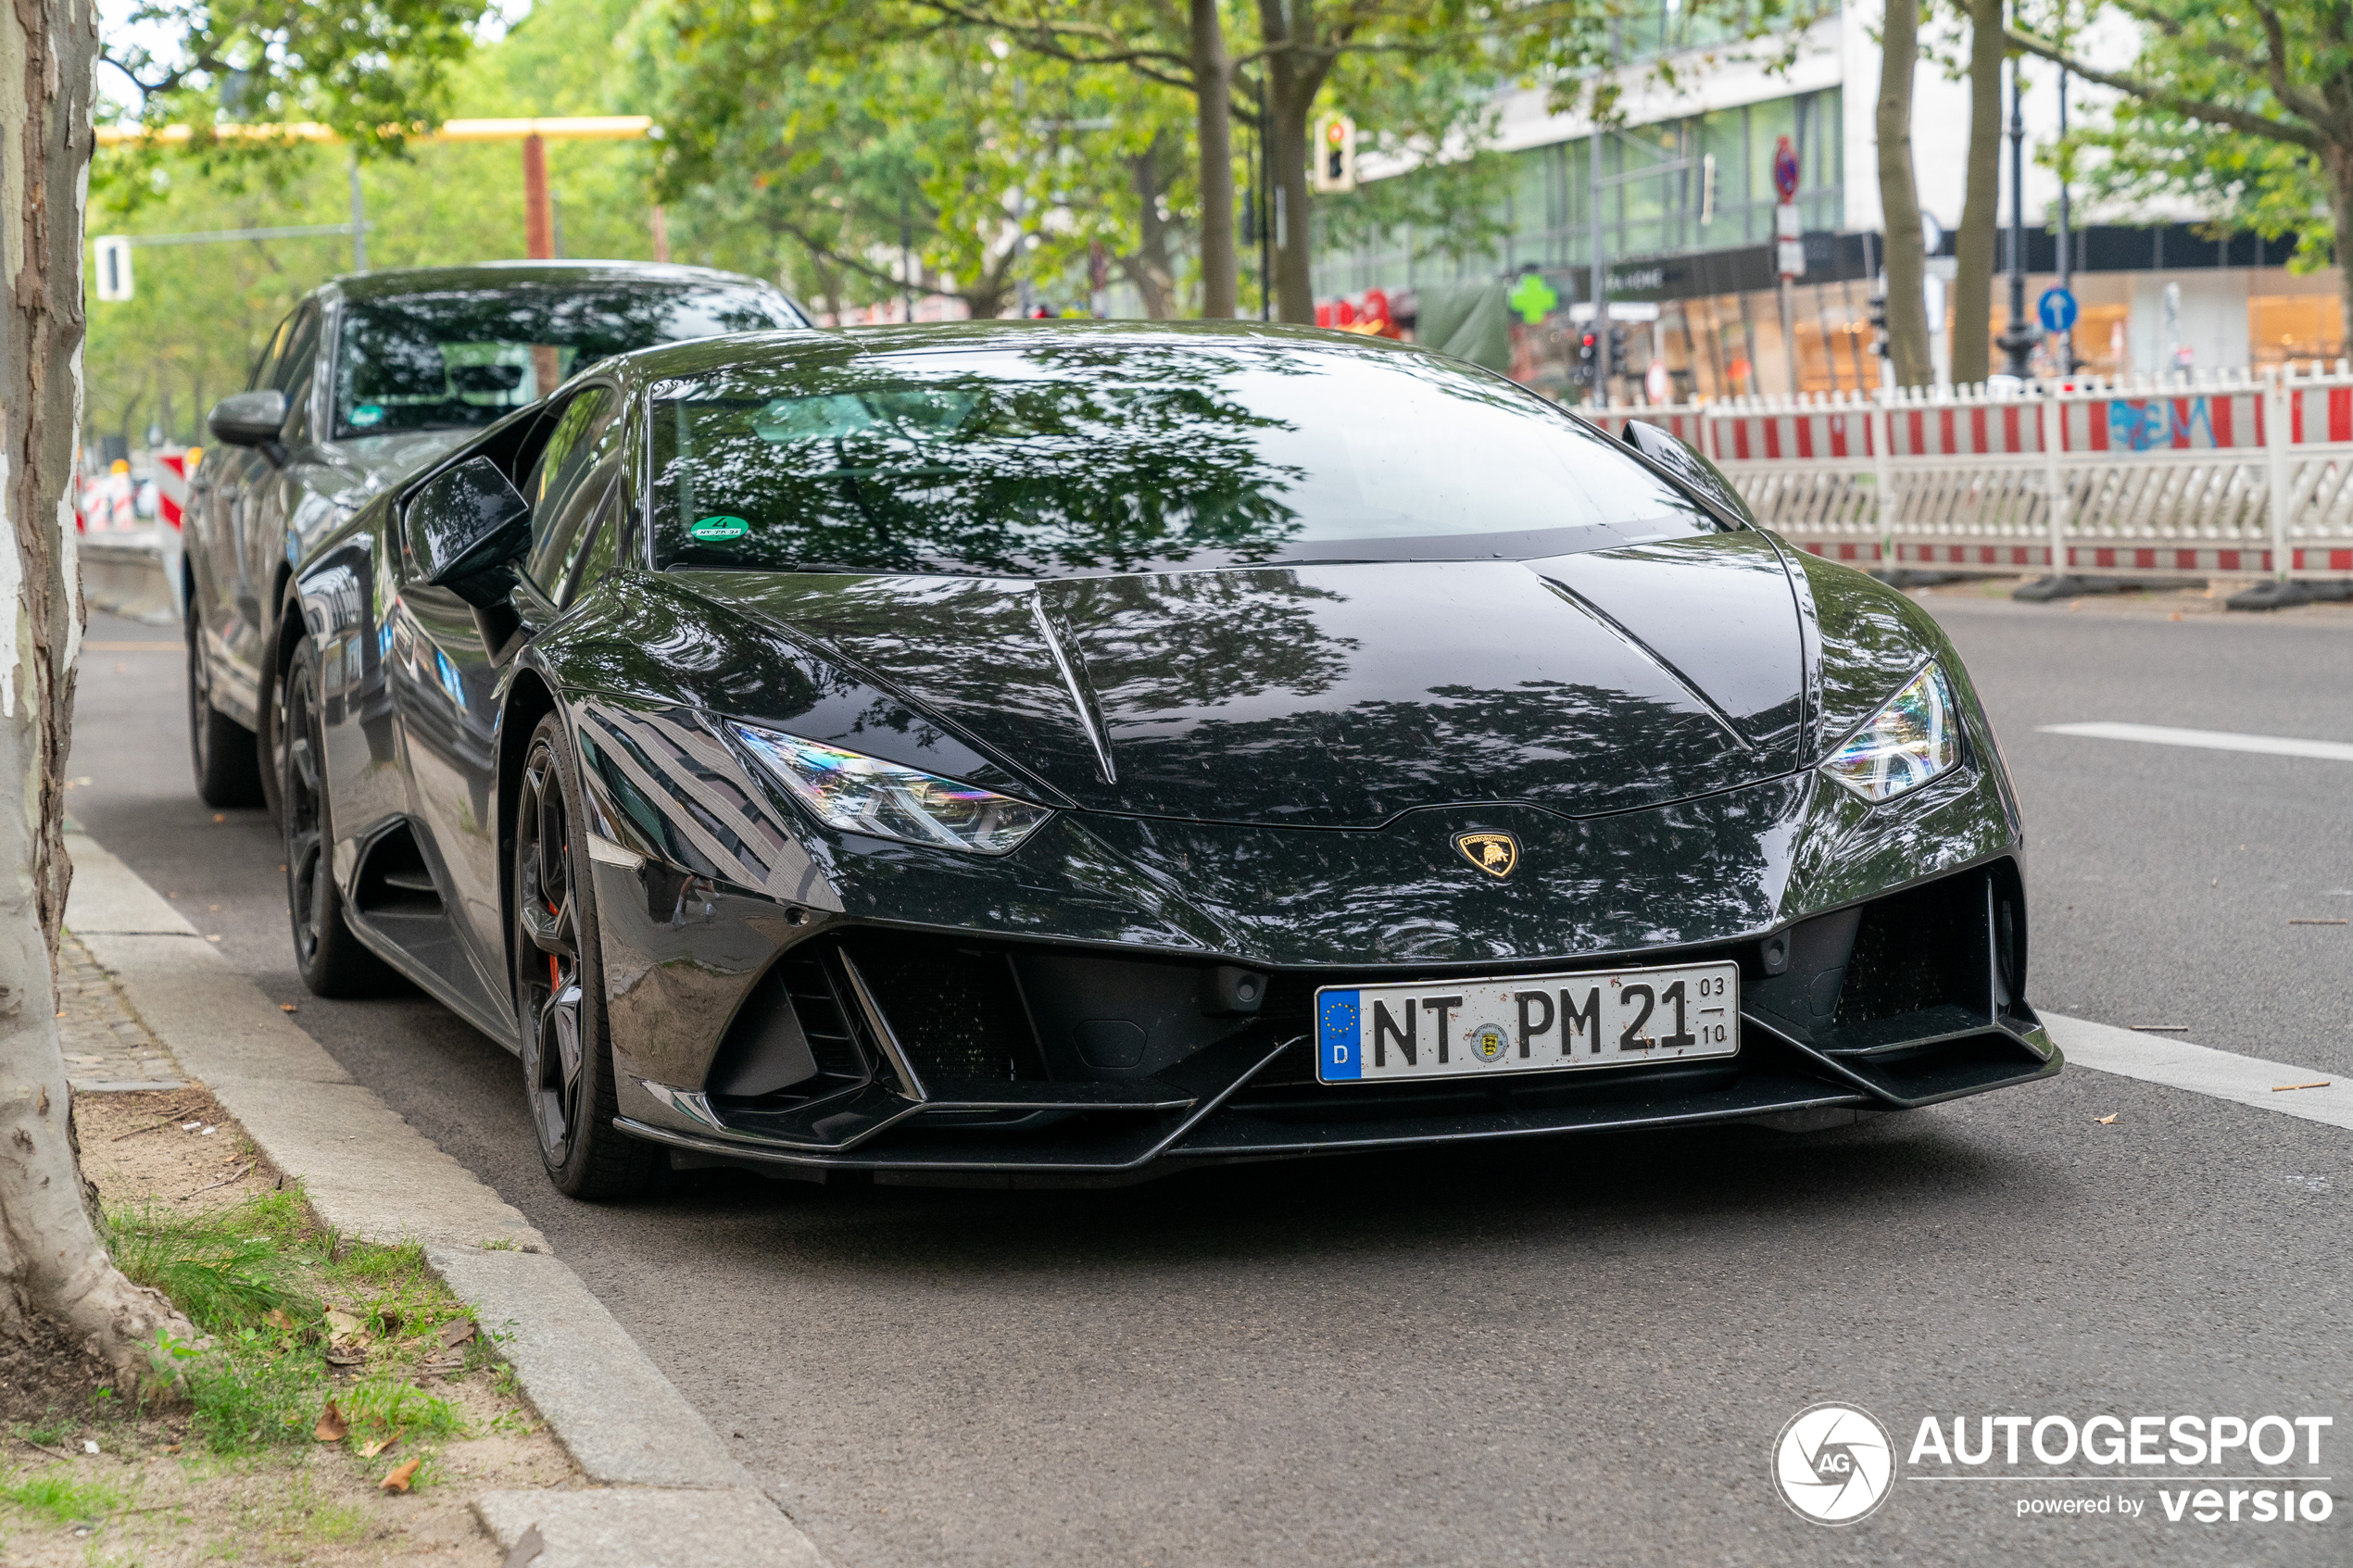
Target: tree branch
{"x": 2294, "y": 97}
{"x": 2190, "y": 108}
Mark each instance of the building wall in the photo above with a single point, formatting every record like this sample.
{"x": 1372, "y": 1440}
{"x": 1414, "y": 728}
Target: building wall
{"x": 1734, "y": 108}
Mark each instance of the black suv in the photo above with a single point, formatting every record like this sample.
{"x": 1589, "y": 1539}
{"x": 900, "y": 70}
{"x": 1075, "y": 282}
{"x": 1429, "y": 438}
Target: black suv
{"x": 369, "y": 377}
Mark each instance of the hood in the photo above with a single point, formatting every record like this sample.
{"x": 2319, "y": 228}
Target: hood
{"x": 1337, "y": 696}
{"x": 368, "y": 463}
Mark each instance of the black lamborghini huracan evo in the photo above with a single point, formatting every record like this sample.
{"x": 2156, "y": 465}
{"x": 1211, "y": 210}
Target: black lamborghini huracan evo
{"x": 1063, "y": 753}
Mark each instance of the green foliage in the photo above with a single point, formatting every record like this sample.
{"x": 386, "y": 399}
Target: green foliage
{"x": 372, "y": 71}
{"x": 202, "y": 313}
{"x": 817, "y": 140}
{"x": 2216, "y": 110}
{"x": 56, "y": 1493}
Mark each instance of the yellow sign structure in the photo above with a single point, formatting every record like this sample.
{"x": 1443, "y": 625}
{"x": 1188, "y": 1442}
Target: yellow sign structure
{"x": 578, "y": 128}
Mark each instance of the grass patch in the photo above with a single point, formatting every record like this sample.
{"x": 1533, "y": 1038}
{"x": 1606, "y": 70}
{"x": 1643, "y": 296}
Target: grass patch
{"x": 51, "y": 1430}
{"x": 385, "y": 1404}
{"x": 261, "y": 1277}
{"x": 58, "y": 1495}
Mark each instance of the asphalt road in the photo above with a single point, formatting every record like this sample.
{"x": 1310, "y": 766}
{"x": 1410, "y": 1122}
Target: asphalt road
{"x": 1580, "y": 1352}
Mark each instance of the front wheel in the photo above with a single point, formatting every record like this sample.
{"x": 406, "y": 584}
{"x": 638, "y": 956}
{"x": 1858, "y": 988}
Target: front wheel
{"x": 567, "y": 1053}
{"x": 330, "y": 955}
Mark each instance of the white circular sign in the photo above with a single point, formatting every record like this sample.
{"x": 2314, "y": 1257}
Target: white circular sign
{"x": 1834, "y": 1463}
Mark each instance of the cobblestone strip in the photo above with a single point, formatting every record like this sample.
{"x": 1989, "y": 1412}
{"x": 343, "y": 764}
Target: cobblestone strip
{"x": 106, "y": 1048}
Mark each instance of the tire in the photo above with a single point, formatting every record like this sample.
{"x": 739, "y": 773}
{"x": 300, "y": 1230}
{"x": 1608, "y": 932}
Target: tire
{"x": 226, "y": 758}
{"x": 567, "y": 1050}
{"x": 327, "y": 952}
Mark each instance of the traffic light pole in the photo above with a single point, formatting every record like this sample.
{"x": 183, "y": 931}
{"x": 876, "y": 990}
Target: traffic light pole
{"x": 1601, "y": 266}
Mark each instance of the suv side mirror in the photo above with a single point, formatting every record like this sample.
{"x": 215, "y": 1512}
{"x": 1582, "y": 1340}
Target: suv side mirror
{"x": 251, "y": 419}
{"x": 466, "y": 526}
{"x": 1691, "y": 465}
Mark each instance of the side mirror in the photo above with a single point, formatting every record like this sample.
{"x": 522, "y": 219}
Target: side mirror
{"x": 465, "y": 527}
{"x": 1691, "y": 465}
{"x": 251, "y": 419}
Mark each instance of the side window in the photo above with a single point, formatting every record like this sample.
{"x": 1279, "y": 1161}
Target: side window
{"x": 292, "y": 374}
{"x": 265, "y": 367}
{"x": 578, "y": 465}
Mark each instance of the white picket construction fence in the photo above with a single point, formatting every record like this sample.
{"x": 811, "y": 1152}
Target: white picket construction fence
{"x": 2222, "y": 474}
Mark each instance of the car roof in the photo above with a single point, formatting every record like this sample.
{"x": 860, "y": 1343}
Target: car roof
{"x": 392, "y": 282}
{"x": 782, "y": 350}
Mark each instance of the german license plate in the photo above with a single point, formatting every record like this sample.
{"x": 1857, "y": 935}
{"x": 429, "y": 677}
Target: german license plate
{"x": 1528, "y": 1023}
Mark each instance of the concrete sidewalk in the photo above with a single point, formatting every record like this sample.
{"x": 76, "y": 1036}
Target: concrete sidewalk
{"x": 665, "y": 1490}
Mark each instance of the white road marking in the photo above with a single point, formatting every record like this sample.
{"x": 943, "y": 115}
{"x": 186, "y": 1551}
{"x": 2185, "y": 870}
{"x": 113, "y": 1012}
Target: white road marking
{"x": 2202, "y": 1070}
{"x": 2209, "y": 740}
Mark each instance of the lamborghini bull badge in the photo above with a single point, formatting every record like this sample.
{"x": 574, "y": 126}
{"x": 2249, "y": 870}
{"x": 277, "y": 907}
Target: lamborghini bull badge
{"x": 1494, "y": 853}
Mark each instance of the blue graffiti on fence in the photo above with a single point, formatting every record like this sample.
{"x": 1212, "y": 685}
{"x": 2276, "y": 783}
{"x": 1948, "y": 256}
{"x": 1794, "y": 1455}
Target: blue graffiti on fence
{"x": 2161, "y": 421}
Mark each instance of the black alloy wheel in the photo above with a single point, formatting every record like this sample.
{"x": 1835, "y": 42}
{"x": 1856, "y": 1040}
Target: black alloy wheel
{"x": 567, "y": 1055}
{"x": 332, "y": 960}
{"x": 226, "y": 760}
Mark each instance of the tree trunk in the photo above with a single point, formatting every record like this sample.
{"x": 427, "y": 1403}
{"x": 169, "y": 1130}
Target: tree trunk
{"x": 1295, "y": 70}
{"x": 1980, "y": 208}
{"x": 52, "y": 1263}
{"x": 1213, "y": 90}
{"x": 1150, "y": 268}
{"x": 1899, "y": 197}
{"x": 2337, "y": 160}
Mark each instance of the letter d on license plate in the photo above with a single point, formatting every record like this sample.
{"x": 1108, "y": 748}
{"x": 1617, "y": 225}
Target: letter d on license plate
{"x": 1528, "y": 1023}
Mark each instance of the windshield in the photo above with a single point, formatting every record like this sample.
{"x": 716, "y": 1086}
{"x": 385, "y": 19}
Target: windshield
{"x": 1116, "y": 456}
{"x": 465, "y": 357}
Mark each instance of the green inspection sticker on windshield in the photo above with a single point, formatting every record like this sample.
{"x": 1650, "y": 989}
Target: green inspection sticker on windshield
{"x": 718, "y": 530}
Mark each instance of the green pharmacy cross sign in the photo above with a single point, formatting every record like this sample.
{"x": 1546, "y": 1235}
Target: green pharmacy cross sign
{"x": 1533, "y": 298}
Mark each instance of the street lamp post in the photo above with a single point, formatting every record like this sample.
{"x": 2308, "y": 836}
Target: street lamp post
{"x": 2017, "y": 339}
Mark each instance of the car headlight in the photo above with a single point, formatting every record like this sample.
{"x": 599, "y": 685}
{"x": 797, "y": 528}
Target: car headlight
{"x": 1908, "y": 741}
{"x": 858, "y": 794}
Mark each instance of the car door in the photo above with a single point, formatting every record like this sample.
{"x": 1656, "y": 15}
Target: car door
{"x": 448, "y": 687}
{"x": 274, "y": 494}
{"x": 227, "y": 480}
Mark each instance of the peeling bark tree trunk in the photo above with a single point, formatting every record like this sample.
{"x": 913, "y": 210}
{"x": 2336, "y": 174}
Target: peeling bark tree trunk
{"x": 1908, "y": 325}
{"x": 1980, "y": 206}
{"x": 52, "y": 1263}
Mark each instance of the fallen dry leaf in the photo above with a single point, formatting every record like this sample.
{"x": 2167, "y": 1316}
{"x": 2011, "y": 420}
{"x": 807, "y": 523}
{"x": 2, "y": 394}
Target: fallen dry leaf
{"x": 341, "y": 1326}
{"x": 457, "y": 1331}
{"x": 444, "y": 1362}
{"x": 369, "y": 1450}
{"x": 345, "y": 1355}
{"x": 2104, "y": 1120}
{"x": 332, "y": 1427}
{"x": 398, "y": 1480}
{"x": 276, "y": 1318}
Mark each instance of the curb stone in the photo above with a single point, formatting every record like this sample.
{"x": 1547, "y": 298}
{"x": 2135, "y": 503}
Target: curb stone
{"x": 670, "y": 1491}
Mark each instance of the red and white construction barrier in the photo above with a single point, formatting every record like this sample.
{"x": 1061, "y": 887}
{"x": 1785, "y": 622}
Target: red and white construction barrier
{"x": 2238, "y": 473}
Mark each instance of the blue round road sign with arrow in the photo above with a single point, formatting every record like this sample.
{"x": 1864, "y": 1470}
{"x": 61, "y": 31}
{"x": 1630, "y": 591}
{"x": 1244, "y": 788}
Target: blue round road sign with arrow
{"x": 2057, "y": 309}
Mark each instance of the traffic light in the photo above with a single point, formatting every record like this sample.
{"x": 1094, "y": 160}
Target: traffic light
{"x": 1588, "y": 351}
{"x": 1879, "y": 324}
{"x": 1617, "y": 358}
